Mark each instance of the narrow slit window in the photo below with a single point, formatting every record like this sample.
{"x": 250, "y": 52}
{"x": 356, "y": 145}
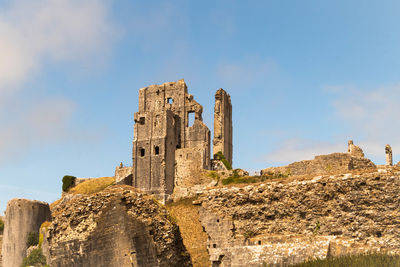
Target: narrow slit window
{"x": 142, "y": 152}
{"x": 191, "y": 118}
{"x": 156, "y": 150}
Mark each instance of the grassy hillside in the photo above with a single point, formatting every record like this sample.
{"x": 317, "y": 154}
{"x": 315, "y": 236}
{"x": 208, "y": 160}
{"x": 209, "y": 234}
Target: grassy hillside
{"x": 195, "y": 240}
{"x": 370, "y": 260}
{"x": 92, "y": 186}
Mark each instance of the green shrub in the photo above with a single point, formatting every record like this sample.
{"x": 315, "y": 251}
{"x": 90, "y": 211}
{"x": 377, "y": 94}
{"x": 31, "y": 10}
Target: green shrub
{"x": 68, "y": 181}
{"x": 222, "y": 158}
{"x": 214, "y": 175}
{"x": 370, "y": 260}
{"x": 1, "y": 225}
{"x": 35, "y": 258}
{"x": 33, "y": 239}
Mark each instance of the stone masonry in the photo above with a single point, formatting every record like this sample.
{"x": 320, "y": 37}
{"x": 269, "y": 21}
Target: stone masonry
{"x": 354, "y": 150}
{"x": 166, "y": 149}
{"x": 116, "y": 227}
{"x": 223, "y": 125}
{"x": 282, "y": 223}
{"x": 22, "y": 217}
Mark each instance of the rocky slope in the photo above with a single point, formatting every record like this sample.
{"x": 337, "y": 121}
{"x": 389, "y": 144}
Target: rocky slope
{"x": 284, "y": 223}
{"x": 116, "y": 227}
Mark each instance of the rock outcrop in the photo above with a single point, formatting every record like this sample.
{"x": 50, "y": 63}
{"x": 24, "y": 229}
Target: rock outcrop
{"x": 285, "y": 223}
{"x": 116, "y": 227}
{"x": 22, "y": 217}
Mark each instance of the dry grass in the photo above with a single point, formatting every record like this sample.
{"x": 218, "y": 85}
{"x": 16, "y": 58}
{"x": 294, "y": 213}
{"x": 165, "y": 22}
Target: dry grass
{"x": 92, "y": 186}
{"x": 195, "y": 240}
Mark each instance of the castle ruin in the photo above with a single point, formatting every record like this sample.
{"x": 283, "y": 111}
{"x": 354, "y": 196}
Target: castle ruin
{"x": 165, "y": 146}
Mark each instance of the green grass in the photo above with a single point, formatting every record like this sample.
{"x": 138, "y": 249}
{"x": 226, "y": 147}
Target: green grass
{"x": 367, "y": 260}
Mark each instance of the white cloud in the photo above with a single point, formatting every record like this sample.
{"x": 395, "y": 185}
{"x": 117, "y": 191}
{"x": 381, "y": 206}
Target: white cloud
{"x": 296, "y": 149}
{"x": 34, "y": 31}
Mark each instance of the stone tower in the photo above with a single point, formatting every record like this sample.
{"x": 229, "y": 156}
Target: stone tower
{"x": 223, "y": 125}
{"x": 161, "y": 131}
{"x": 389, "y": 155}
{"x": 22, "y": 217}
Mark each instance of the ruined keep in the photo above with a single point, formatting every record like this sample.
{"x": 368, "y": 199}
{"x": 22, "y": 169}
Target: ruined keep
{"x": 165, "y": 144}
{"x": 222, "y": 141}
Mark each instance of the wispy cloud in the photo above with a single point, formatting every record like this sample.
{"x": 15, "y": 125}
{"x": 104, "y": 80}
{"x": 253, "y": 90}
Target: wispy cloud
{"x": 34, "y": 31}
{"x": 31, "y": 34}
{"x": 369, "y": 116}
{"x": 296, "y": 149}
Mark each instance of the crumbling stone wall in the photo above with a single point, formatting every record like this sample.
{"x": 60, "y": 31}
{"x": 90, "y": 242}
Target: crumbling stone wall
{"x": 285, "y": 223}
{"x": 116, "y": 227}
{"x": 354, "y": 151}
{"x": 222, "y": 141}
{"x": 22, "y": 217}
{"x": 324, "y": 164}
{"x": 123, "y": 175}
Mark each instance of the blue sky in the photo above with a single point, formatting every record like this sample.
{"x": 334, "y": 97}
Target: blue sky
{"x": 304, "y": 77}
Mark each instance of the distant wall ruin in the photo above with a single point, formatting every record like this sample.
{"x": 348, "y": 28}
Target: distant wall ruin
{"x": 326, "y": 164}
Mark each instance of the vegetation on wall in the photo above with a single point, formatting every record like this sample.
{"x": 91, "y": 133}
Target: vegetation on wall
{"x": 33, "y": 239}
{"x": 222, "y": 158}
{"x": 35, "y": 258}
{"x": 1, "y": 225}
{"x": 68, "y": 181}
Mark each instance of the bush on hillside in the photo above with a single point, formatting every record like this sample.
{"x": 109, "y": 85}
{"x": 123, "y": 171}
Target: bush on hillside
{"x": 33, "y": 239}
{"x": 1, "y": 225}
{"x": 35, "y": 258}
{"x": 68, "y": 181}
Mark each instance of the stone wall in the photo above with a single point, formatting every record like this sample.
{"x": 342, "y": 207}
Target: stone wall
{"x": 22, "y": 216}
{"x": 324, "y": 164}
{"x": 282, "y": 223}
{"x": 116, "y": 227}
